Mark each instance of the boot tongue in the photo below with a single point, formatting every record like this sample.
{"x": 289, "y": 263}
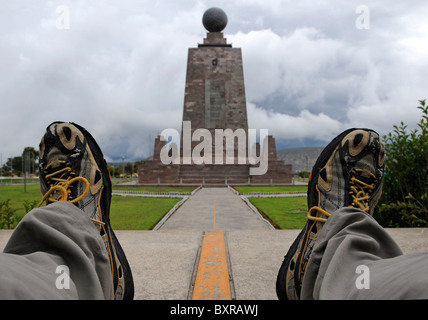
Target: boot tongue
{"x": 54, "y": 156}
{"x": 366, "y": 175}
{"x": 54, "y": 163}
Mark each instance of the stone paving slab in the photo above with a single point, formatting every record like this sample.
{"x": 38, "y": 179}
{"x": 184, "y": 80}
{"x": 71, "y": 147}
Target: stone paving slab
{"x": 162, "y": 262}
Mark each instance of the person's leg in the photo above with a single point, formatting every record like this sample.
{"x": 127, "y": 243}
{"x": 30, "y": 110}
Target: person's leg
{"x": 73, "y": 172}
{"x": 355, "y": 258}
{"x": 348, "y": 173}
{"x": 72, "y": 168}
{"x": 48, "y": 243}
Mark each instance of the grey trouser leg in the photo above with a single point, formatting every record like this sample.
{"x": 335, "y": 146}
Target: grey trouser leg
{"x": 355, "y": 258}
{"x": 59, "y": 234}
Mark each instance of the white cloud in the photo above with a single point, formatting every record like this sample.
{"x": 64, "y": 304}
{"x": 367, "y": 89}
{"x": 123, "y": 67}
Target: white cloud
{"x": 120, "y": 68}
{"x": 296, "y": 64}
{"x": 303, "y": 126}
{"x": 305, "y": 73}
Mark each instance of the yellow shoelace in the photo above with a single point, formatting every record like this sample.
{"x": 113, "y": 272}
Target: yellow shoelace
{"x": 61, "y": 180}
{"x": 360, "y": 191}
{"x": 316, "y": 217}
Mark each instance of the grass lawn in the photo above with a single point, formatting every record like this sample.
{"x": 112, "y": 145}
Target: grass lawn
{"x": 154, "y": 189}
{"x": 17, "y": 196}
{"x": 286, "y": 213}
{"x": 130, "y": 213}
{"x": 138, "y": 213}
{"x": 269, "y": 189}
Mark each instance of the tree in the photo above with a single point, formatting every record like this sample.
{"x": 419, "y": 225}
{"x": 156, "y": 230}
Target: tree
{"x": 15, "y": 165}
{"x": 28, "y": 162}
{"x": 404, "y": 201}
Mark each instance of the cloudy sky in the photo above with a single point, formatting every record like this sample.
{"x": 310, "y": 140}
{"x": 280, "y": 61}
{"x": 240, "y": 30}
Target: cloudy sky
{"x": 312, "y": 68}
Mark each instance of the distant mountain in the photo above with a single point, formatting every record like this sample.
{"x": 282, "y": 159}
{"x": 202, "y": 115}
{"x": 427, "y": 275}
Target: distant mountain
{"x": 301, "y": 159}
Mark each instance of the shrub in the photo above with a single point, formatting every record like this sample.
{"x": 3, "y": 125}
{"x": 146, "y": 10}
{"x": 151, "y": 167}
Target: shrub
{"x": 404, "y": 201}
{"x": 8, "y": 219}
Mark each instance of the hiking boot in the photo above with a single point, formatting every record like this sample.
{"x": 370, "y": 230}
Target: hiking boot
{"x": 72, "y": 168}
{"x": 348, "y": 173}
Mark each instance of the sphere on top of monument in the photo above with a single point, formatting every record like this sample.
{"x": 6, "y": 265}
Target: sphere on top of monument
{"x": 214, "y": 20}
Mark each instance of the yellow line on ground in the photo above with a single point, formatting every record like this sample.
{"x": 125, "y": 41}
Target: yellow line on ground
{"x": 212, "y": 278}
{"x": 214, "y": 210}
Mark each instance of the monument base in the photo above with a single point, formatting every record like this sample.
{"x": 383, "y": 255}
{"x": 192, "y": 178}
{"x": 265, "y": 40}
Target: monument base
{"x": 157, "y": 173}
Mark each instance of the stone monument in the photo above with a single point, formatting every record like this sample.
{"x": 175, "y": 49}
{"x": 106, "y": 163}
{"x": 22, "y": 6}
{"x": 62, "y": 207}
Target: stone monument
{"x": 214, "y": 101}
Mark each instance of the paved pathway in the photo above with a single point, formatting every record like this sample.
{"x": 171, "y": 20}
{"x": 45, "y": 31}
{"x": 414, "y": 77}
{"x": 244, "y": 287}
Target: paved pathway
{"x": 215, "y": 209}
